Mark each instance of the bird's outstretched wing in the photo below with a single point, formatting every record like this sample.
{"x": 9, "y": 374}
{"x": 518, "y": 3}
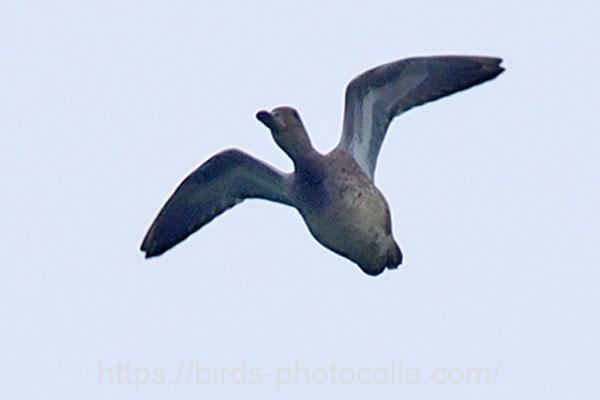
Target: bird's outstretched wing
{"x": 223, "y": 181}
{"x": 376, "y": 96}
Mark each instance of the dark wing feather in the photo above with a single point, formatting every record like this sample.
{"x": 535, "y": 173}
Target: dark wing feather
{"x": 223, "y": 181}
{"x": 376, "y": 96}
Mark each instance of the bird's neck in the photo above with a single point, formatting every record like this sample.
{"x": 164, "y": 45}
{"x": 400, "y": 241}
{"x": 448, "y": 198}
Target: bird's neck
{"x": 299, "y": 148}
{"x": 310, "y": 166}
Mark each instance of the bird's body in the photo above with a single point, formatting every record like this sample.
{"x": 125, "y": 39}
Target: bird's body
{"x": 335, "y": 193}
{"x": 346, "y": 212}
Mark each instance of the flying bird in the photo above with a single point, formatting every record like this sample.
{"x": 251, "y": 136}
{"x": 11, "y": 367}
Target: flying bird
{"x": 334, "y": 192}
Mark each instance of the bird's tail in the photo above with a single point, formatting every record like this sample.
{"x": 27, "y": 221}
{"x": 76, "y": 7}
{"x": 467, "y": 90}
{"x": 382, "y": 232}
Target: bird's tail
{"x": 394, "y": 256}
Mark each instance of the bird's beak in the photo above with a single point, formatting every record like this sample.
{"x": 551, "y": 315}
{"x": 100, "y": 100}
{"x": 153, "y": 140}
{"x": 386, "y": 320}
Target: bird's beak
{"x": 267, "y": 118}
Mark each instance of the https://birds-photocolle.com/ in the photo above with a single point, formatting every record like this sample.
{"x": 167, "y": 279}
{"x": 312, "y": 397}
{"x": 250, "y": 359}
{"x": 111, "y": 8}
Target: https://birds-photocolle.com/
{"x": 334, "y": 192}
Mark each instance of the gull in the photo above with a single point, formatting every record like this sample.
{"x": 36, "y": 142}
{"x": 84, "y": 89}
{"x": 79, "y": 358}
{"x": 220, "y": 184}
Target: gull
{"x": 335, "y": 192}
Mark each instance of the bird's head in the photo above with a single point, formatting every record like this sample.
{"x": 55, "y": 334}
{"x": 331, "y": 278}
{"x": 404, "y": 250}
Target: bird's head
{"x": 287, "y": 129}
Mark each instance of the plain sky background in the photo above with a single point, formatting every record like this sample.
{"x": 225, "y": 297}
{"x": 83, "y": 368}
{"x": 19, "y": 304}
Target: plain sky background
{"x": 495, "y": 193}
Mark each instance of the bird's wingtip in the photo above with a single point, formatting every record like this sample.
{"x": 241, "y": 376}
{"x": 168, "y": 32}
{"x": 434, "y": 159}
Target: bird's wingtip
{"x": 146, "y": 249}
{"x": 152, "y": 247}
{"x": 149, "y": 254}
{"x": 493, "y": 65}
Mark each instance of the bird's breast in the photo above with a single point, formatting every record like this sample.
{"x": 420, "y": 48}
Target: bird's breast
{"x": 346, "y": 214}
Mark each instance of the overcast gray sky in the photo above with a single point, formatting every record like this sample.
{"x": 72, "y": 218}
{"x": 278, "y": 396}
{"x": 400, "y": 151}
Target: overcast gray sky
{"x": 106, "y": 106}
